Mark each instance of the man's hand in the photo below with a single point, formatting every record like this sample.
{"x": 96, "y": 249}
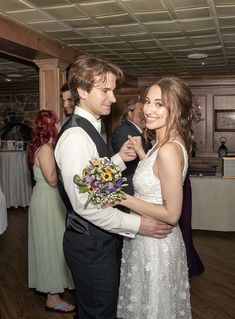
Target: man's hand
{"x": 154, "y": 228}
{"x": 127, "y": 152}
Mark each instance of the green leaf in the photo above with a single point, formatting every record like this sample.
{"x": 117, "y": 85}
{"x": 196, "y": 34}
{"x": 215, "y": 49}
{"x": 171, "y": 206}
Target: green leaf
{"x": 83, "y": 190}
{"x": 88, "y": 200}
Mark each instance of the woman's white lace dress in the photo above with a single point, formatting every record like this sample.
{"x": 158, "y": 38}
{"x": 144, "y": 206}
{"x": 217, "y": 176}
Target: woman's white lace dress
{"x": 154, "y": 275}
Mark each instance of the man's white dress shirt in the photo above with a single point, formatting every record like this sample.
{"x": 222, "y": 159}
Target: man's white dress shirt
{"x": 72, "y": 153}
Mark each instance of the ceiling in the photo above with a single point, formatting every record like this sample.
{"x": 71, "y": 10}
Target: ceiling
{"x": 14, "y": 71}
{"x": 143, "y": 37}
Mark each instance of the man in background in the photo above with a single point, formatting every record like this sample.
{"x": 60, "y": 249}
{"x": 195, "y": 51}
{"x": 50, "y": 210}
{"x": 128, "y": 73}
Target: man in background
{"x": 69, "y": 106}
{"x": 132, "y": 123}
{"x": 67, "y": 100}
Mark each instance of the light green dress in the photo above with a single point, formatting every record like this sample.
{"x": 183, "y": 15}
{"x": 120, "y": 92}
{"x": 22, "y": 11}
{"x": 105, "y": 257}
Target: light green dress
{"x": 48, "y": 271}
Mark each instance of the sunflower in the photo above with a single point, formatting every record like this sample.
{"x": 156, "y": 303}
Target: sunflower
{"x": 96, "y": 164}
{"x": 106, "y": 176}
{"x": 108, "y": 170}
{"x": 90, "y": 188}
{"x": 85, "y": 172}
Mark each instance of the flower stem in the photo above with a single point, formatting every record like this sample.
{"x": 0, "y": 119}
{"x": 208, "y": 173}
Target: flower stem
{"x": 88, "y": 200}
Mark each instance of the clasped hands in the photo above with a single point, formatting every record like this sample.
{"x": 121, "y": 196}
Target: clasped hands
{"x": 131, "y": 148}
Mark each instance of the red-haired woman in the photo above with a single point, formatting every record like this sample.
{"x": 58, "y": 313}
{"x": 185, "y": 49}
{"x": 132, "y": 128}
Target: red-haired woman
{"x": 48, "y": 272}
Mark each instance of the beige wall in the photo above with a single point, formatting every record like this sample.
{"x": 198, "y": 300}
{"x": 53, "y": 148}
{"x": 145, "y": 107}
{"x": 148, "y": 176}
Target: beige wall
{"x": 212, "y": 99}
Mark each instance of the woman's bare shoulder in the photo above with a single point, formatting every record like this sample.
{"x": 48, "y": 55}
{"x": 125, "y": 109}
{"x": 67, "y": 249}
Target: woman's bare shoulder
{"x": 167, "y": 149}
{"x": 47, "y": 147}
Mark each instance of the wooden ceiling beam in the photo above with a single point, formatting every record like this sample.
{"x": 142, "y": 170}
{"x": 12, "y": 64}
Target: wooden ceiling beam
{"x": 22, "y": 42}
{"x": 32, "y": 43}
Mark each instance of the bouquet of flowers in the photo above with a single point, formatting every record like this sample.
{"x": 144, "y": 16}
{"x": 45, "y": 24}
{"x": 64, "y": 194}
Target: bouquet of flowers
{"x": 103, "y": 182}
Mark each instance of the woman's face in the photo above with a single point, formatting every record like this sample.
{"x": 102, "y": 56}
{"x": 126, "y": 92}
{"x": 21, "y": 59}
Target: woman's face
{"x": 155, "y": 111}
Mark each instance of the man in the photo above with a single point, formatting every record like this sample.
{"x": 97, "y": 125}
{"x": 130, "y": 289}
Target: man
{"x": 132, "y": 123}
{"x": 90, "y": 242}
{"x": 67, "y": 101}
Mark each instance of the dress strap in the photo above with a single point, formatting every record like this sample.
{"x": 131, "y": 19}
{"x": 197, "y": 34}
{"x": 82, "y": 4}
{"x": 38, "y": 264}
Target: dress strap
{"x": 151, "y": 151}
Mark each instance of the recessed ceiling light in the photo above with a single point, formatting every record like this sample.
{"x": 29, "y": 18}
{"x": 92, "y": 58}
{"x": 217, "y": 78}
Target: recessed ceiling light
{"x": 14, "y": 75}
{"x": 197, "y": 56}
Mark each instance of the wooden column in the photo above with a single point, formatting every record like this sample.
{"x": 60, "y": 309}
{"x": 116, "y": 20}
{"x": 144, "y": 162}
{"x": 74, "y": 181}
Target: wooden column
{"x": 52, "y": 75}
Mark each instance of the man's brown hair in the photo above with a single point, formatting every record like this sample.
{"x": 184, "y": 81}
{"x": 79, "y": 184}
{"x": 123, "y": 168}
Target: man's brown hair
{"x": 83, "y": 72}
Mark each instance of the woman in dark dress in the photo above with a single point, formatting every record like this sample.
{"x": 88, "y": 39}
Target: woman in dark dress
{"x": 195, "y": 266}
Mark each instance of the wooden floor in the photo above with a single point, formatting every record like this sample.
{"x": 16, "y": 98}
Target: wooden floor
{"x": 212, "y": 293}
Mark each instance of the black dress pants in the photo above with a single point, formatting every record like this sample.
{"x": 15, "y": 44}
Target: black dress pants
{"x": 94, "y": 263}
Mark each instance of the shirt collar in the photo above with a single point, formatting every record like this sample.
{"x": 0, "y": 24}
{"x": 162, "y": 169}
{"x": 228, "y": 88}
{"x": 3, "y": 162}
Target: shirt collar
{"x": 138, "y": 128}
{"x": 83, "y": 113}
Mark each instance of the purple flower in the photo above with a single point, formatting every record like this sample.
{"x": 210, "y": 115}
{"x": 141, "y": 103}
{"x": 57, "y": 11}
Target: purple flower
{"x": 88, "y": 179}
{"x": 110, "y": 186}
{"x": 94, "y": 184}
{"x": 118, "y": 183}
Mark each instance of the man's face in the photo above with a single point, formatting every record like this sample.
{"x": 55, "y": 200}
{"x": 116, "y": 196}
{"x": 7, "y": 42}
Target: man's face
{"x": 137, "y": 116}
{"x": 99, "y": 100}
{"x": 68, "y": 103}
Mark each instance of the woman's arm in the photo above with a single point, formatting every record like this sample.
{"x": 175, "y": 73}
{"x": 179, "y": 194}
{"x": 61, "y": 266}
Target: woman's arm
{"x": 168, "y": 167}
{"x": 47, "y": 164}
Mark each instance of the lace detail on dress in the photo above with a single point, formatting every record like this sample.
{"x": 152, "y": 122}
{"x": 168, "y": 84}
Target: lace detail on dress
{"x": 154, "y": 275}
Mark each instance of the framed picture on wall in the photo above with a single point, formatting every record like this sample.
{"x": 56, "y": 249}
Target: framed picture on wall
{"x": 11, "y": 145}
{"x": 19, "y": 145}
{"x": 228, "y": 167}
{"x": 224, "y": 120}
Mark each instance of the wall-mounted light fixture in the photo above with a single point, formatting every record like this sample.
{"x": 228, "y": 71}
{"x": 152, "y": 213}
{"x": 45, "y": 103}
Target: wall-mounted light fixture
{"x": 198, "y": 111}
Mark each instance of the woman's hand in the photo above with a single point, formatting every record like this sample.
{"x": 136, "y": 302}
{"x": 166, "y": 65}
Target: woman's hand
{"x": 136, "y": 142}
{"x": 127, "y": 152}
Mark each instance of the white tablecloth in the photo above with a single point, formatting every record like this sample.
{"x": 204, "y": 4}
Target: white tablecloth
{"x": 3, "y": 212}
{"x": 213, "y": 203}
{"x": 15, "y": 178}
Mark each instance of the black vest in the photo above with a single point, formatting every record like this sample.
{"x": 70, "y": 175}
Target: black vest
{"x": 74, "y": 221}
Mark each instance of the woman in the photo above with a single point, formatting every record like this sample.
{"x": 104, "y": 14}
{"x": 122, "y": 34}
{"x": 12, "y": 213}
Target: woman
{"x": 154, "y": 276}
{"x": 48, "y": 272}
